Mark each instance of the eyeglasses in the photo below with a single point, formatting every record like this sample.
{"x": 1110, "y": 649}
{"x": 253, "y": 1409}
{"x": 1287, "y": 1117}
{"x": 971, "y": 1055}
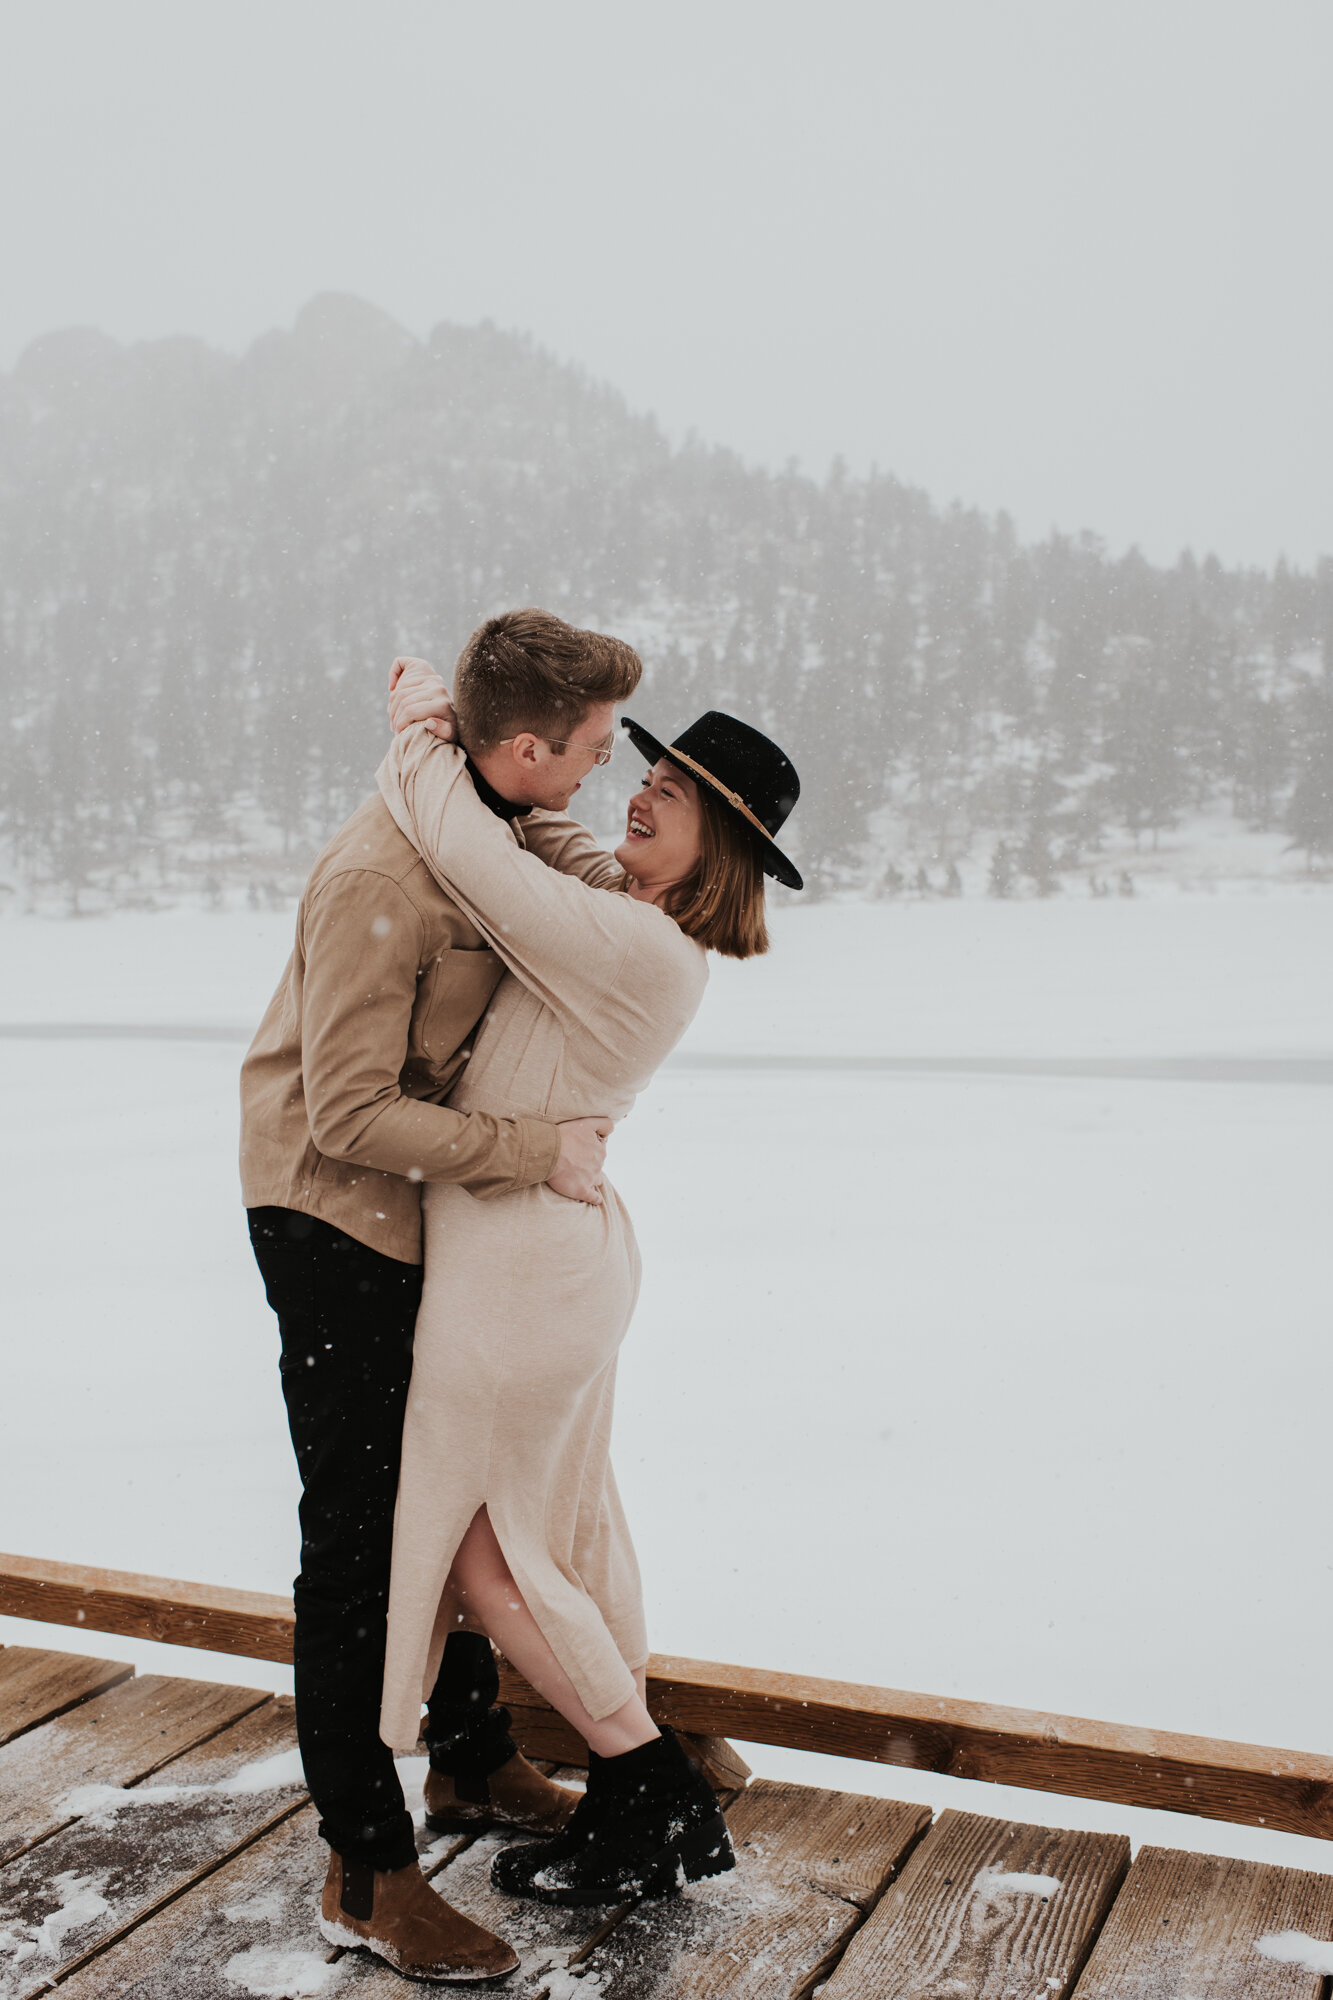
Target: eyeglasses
{"x": 601, "y": 752}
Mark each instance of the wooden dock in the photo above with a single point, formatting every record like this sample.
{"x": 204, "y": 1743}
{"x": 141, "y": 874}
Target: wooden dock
{"x": 156, "y": 1841}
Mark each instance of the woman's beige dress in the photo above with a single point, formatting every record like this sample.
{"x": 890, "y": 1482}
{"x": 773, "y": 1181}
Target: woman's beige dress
{"x": 527, "y": 1296}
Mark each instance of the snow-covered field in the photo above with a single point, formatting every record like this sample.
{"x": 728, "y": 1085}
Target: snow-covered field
{"x": 1015, "y": 1387}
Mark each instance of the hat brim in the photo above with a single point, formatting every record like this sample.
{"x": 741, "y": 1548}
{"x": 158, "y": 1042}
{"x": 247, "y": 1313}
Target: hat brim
{"x": 771, "y": 857}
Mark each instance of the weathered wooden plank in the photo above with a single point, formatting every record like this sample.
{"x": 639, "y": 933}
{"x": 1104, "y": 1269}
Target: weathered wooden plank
{"x": 539, "y": 1730}
{"x": 543, "y": 1735}
{"x": 118, "y": 1739}
{"x": 1200, "y": 1927}
{"x": 1249, "y": 1783}
{"x": 255, "y": 1914}
{"x": 253, "y": 1926}
{"x": 808, "y": 1864}
{"x": 985, "y": 1909}
{"x": 1288, "y": 1789}
{"x": 547, "y": 1941}
{"x": 252, "y": 1623}
{"x": 721, "y": 1762}
{"x": 132, "y": 1850}
{"x": 36, "y": 1685}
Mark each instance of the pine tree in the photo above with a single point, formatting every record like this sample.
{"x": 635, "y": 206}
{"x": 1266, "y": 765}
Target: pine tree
{"x": 206, "y": 565}
{"x": 1310, "y": 812}
{"x": 1000, "y": 880}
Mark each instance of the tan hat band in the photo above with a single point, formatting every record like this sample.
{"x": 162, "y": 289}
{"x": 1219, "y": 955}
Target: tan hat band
{"x": 732, "y": 798}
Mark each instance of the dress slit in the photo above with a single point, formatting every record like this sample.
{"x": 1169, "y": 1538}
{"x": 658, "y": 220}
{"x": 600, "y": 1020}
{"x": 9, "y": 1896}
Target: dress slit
{"x": 527, "y": 1297}
{"x": 603, "y": 1683}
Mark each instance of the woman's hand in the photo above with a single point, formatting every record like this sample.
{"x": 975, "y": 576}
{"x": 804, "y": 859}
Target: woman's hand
{"x": 417, "y": 694}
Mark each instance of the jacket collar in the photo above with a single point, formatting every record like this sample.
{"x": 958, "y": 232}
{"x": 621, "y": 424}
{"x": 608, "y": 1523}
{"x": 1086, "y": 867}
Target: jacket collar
{"x": 502, "y": 807}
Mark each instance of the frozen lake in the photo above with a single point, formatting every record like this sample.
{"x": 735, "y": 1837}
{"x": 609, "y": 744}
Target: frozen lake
{"x": 1000, "y": 1385}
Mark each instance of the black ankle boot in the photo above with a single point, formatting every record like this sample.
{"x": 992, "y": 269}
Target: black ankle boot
{"x": 647, "y": 1822}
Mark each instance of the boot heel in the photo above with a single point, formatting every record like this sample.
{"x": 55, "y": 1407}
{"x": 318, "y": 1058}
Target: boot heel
{"x": 706, "y": 1851}
{"x": 458, "y": 1823}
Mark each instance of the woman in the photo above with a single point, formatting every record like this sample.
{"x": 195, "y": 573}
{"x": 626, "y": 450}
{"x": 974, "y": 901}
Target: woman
{"x": 508, "y": 1515}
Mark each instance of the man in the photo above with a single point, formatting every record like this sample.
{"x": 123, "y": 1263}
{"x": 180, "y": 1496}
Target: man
{"x": 342, "y": 1123}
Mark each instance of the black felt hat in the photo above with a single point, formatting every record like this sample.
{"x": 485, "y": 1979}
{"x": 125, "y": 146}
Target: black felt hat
{"x": 745, "y": 769}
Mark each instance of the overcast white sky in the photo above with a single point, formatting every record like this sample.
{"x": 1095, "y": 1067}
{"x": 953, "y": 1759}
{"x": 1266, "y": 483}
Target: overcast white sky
{"x": 1070, "y": 257}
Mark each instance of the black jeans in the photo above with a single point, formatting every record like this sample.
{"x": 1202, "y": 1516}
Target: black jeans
{"x": 346, "y": 1315}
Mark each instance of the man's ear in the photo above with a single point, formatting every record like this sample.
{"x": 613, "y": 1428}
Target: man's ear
{"x": 523, "y": 748}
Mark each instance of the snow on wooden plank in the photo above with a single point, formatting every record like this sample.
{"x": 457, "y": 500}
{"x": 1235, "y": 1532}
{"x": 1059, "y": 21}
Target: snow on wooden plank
{"x": 985, "y": 1909}
{"x": 547, "y": 1941}
{"x": 36, "y": 1685}
{"x": 118, "y": 1739}
{"x": 249, "y": 1927}
{"x": 1190, "y": 1924}
{"x": 809, "y": 1863}
{"x": 252, "y": 1928}
{"x": 130, "y": 1850}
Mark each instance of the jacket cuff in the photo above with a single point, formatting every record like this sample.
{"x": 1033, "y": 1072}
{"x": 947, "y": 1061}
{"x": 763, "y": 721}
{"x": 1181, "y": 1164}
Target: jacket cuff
{"x": 541, "y": 1151}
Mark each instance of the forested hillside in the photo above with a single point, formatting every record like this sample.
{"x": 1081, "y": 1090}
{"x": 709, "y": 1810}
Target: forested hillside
{"x": 206, "y": 565}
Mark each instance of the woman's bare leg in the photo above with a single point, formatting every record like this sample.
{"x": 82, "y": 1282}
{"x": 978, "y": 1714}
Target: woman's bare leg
{"x": 482, "y": 1582}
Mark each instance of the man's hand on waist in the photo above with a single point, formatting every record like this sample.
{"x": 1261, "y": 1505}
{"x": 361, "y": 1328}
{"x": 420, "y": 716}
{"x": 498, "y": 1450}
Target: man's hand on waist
{"x": 578, "y": 1171}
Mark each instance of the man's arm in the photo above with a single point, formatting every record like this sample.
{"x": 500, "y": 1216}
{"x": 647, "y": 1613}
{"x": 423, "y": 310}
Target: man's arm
{"x": 567, "y": 846}
{"x": 565, "y": 941}
{"x": 362, "y": 939}
{"x": 417, "y": 694}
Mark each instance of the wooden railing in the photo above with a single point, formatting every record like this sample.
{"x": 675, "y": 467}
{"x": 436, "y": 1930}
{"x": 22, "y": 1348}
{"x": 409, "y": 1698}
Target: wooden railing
{"x": 1286, "y": 1789}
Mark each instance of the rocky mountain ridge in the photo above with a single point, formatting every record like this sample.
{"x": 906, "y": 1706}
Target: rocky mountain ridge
{"x": 207, "y": 562}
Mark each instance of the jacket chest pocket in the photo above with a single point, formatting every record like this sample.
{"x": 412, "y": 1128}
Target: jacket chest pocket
{"x": 452, "y": 995}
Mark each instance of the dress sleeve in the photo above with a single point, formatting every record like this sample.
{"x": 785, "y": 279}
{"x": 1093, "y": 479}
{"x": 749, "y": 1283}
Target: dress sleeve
{"x": 564, "y": 844}
{"x": 564, "y": 939}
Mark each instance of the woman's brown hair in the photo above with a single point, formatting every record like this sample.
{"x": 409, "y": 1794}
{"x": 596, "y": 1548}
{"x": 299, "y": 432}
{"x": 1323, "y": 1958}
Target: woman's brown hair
{"x": 721, "y": 900}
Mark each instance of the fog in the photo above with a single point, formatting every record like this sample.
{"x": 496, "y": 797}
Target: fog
{"x": 943, "y": 387}
{"x": 1068, "y": 261}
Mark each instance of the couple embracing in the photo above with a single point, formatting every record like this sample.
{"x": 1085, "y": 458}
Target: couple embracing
{"x": 477, "y": 993}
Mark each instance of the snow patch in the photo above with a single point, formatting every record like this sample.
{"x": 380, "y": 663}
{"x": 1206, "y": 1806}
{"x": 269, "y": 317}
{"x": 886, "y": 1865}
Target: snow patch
{"x": 1298, "y": 1948}
{"x": 102, "y": 1801}
{"x": 280, "y": 1975}
{"x": 268, "y": 1907}
{"x": 81, "y": 1902}
{"x": 563, "y": 1984}
{"x": 995, "y": 1882}
{"x": 443, "y": 1844}
{"x": 266, "y": 1774}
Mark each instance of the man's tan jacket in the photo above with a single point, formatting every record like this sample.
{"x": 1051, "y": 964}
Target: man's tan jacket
{"x": 341, "y": 1115}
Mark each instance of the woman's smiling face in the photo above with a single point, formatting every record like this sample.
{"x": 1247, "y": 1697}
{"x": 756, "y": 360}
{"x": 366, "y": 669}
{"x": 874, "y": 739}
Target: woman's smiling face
{"x": 664, "y": 830}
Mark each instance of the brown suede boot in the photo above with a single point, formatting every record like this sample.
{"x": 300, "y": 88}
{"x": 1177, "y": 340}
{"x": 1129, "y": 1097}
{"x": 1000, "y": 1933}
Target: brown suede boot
{"x": 514, "y": 1796}
{"x": 398, "y": 1915}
